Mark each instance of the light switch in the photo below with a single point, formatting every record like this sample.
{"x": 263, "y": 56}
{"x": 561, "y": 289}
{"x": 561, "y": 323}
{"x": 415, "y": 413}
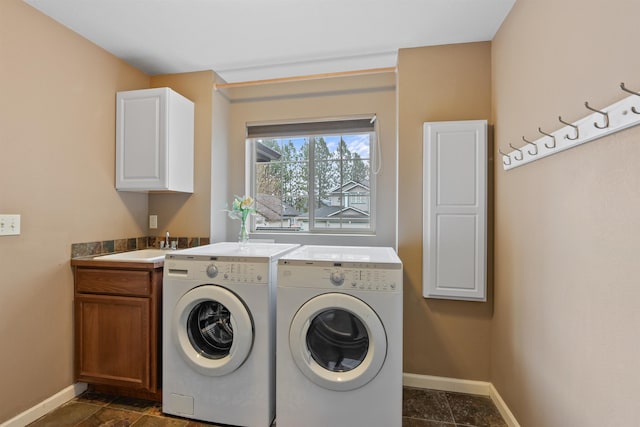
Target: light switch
{"x": 153, "y": 221}
{"x": 9, "y": 225}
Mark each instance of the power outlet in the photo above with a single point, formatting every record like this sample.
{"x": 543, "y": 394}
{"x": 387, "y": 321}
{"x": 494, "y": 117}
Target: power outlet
{"x": 9, "y": 225}
{"x": 153, "y": 221}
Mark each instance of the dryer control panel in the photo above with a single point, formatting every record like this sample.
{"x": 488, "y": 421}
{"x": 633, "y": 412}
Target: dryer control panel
{"x": 214, "y": 270}
{"x": 339, "y": 276}
{"x": 375, "y": 280}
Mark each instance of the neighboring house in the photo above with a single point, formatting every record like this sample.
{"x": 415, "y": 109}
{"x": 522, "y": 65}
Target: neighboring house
{"x": 348, "y": 203}
{"x": 274, "y": 214}
{"x": 351, "y": 194}
{"x": 335, "y": 216}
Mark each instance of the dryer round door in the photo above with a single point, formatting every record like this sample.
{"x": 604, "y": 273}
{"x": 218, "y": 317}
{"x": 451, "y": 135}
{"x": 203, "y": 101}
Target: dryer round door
{"x": 337, "y": 341}
{"x": 213, "y": 330}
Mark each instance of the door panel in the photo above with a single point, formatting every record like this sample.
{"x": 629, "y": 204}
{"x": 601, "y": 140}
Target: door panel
{"x": 105, "y": 325}
{"x": 455, "y": 210}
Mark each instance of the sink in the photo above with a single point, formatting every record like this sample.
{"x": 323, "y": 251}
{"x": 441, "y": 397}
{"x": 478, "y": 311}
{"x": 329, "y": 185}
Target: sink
{"x": 142, "y": 255}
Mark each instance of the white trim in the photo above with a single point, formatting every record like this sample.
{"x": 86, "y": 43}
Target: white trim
{"x": 456, "y": 385}
{"x": 446, "y": 384}
{"x": 506, "y": 413}
{"x": 46, "y": 406}
{"x": 333, "y": 65}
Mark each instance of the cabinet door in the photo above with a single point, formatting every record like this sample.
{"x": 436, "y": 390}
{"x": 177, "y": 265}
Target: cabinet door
{"x": 112, "y": 340}
{"x": 455, "y": 210}
{"x": 141, "y": 135}
{"x": 154, "y": 141}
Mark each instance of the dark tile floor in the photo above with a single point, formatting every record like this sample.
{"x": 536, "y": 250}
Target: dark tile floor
{"x": 421, "y": 408}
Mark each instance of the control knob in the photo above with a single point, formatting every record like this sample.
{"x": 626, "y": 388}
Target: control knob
{"x": 337, "y": 277}
{"x": 212, "y": 270}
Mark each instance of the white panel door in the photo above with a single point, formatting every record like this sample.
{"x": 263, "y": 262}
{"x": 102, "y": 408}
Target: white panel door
{"x": 154, "y": 141}
{"x": 141, "y": 148}
{"x": 455, "y": 210}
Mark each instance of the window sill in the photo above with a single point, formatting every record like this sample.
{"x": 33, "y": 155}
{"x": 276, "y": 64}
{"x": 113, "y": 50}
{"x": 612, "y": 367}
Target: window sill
{"x": 318, "y": 239}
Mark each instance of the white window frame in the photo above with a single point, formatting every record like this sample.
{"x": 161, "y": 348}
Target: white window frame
{"x": 250, "y": 162}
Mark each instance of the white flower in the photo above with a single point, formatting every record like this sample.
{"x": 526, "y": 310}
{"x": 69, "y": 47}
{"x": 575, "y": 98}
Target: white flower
{"x": 246, "y": 203}
{"x": 241, "y": 208}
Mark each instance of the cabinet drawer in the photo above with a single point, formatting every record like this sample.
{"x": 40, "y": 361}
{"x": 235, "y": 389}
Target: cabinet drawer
{"x": 113, "y": 282}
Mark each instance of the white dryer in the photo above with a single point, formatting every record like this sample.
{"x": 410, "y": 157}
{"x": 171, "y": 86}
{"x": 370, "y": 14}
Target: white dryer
{"x": 218, "y": 346}
{"x": 339, "y": 337}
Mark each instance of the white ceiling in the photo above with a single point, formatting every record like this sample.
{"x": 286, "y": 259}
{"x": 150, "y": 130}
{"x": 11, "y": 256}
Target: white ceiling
{"x": 245, "y": 40}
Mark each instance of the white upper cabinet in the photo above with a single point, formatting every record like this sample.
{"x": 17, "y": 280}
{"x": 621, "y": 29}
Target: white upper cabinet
{"x": 455, "y": 210}
{"x": 154, "y": 141}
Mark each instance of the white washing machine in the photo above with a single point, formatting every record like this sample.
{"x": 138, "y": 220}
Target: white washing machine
{"x": 339, "y": 337}
{"x": 218, "y": 346}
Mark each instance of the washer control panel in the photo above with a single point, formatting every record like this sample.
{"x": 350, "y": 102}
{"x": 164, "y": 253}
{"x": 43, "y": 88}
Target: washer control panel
{"x": 226, "y": 271}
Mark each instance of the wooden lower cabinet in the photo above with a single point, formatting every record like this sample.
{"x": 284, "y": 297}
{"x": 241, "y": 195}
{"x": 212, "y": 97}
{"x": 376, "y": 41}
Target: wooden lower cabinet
{"x": 111, "y": 333}
{"x": 117, "y": 326}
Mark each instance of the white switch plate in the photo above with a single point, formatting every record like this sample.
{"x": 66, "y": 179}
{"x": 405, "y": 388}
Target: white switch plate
{"x": 153, "y": 221}
{"x": 9, "y": 225}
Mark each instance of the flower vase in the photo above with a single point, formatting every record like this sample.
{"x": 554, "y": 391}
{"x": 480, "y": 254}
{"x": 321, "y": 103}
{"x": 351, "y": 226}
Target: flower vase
{"x": 243, "y": 236}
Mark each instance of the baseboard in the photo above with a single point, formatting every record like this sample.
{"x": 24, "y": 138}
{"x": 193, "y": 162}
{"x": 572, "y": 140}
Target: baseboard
{"x": 503, "y": 408}
{"x": 46, "y": 406}
{"x": 446, "y": 384}
{"x": 481, "y": 388}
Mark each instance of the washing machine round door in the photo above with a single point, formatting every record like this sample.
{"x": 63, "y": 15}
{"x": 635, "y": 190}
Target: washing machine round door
{"x": 338, "y": 341}
{"x": 213, "y": 330}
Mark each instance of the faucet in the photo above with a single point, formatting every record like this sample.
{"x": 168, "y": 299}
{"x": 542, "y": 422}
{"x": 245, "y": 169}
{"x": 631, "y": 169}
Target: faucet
{"x": 168, "y": 244}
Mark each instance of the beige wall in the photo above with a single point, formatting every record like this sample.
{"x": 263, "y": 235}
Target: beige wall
{"x": 57, "y": 133}
{"x": 189, "y": 214}
{"x": 563, "y": 346}
{"x": 442, "y": 338}
{"x": 565, "y": 339}
{"x": 316, "y": 99}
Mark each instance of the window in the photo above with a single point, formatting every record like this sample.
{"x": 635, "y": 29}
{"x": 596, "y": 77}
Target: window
{"x": 313, "y": 177}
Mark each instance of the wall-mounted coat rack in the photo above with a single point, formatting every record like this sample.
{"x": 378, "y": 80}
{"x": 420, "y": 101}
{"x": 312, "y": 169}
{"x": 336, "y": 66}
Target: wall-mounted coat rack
{"x": 601, "y": 122}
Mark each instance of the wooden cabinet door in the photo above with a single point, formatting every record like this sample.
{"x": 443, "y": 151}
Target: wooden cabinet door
{"x": 112, "y": 340}
{"x": 455, "y": 210}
